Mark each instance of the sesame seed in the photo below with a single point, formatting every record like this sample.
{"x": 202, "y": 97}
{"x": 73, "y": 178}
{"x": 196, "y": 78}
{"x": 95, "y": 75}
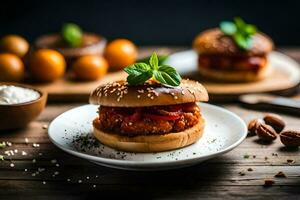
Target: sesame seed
{"x": 25, "y": 170}
{"x": 94, "y": 186}
{"x": 87, "y": 177}
{"x": 35, "y": 145}
{"x": 79, "y": 181}
{"x": 152, "y": 97}
{"x": 149, "y": 95}
{"x": 53, "y": 161}
{"x": 175, "y": 97}
{"x": 130, "y": 123}
{"x": 12, "y": 164}
{"x": 26, "y": 140}
{"x": 34, "y": 161}
{"x": 138, "y": 96}
{"x": 44, "y": 182}
{"x": 182, "y": 92}
{"x": 172, "y": 93}
{"x": 68, "y": 180}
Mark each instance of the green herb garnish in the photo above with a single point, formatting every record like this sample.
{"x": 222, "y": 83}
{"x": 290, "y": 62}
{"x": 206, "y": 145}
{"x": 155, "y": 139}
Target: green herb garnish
{"x": 240, "y": 31}
{"x": 161, "y": 59}
{"x": 140, "y": 72}
{"x": 72, "y": 34}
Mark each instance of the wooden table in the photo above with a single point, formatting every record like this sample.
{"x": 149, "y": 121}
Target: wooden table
{"x": 47, "y": 172}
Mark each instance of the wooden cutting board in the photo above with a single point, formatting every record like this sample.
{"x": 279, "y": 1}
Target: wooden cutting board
{"x": 67, "y": 89}
{"x": 284, "y": 78}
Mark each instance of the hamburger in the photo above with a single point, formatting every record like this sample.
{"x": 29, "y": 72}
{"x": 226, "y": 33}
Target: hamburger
{"x": 150, "y": 116}
{"x": 234, "y": 52}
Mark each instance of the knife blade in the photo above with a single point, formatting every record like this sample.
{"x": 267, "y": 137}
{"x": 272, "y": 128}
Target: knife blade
{"x": 271, "y": 103}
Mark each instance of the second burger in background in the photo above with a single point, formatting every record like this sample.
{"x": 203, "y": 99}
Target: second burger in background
{"x": 234, "y": 52}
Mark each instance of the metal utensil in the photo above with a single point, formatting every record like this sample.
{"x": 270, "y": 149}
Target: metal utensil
{"x": 271, "y": 103}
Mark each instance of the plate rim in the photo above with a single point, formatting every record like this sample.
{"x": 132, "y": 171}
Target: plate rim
{"x": 134, "y": 163}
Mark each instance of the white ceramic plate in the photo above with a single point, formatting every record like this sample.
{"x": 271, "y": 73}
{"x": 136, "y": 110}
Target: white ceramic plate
{"x": 223, "y": 131}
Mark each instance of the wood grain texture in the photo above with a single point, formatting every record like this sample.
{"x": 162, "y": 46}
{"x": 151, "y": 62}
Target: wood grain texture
{"x": 218, "y": 178}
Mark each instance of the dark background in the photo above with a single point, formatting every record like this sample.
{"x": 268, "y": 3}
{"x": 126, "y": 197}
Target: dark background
{"x": 152, "y": 22}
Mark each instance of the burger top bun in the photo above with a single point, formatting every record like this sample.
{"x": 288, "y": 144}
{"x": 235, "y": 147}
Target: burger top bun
{"x": 214, "y": 41}
{"x": 120, "y": 94}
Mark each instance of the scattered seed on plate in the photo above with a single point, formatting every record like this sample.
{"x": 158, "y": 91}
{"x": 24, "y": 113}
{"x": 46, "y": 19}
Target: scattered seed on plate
{"x": 35, "y": 145}
{"x": 44, "y": 182}
{"x": 289, "y": 161}
{"x": 79, "y": 181}
{"x": 34, "y": 161}
{"x": 269, "y": 182}
{"x": 94, "y": 186}
{"x": 68, "y": 180}
{"x": 12, "y": 164}
{"x": 26, "y": 140}
{"x": 45, "y": 126}
{"x": 24, "y": 153}
{"x": 280, "y": 175}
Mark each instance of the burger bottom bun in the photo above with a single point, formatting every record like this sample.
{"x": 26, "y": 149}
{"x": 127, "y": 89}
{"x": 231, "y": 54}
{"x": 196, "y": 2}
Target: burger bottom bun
{"x": 235, "y": 76}
{"x": 151, "y": 143}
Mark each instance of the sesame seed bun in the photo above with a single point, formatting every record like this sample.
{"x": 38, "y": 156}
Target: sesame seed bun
{"x": 235, "y": 76}
{"x": 120, "y": 94}
{"x": 213, "y": 41}
{"x": 150, "y": 143}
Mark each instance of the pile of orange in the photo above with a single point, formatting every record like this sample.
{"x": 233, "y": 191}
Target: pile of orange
{"x": 47, "y": 65}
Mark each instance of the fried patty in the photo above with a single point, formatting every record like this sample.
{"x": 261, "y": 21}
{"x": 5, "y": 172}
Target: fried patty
{"x": 232, "y": 63}
{"x": 148, "y": 120}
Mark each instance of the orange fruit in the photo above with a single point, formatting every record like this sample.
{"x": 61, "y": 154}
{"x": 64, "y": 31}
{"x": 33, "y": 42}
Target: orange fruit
{"x": 11, "y": 68}
{"x": 14, "y": 44}
{"x": 120, "y": 53}
{"x": 90, "y": 67}
{"x": 47, "y": 65}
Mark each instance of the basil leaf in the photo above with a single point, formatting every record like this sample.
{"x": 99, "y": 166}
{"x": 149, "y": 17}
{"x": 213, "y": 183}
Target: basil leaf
{"x": 228, "y": 28}
{"x": 72, "y": 34}
{"x": 243, "y": 41}
{"x": 137, "y": 68}
{"x": 239, "y": 23}
{"x": 140, "y": 72}
{"x": 153, "y": 61}
{"x": 161, "y": 59}
{"x": 167, "y": 75}
{"x": 250, "y": 29}
{"x": 139, "y": 78}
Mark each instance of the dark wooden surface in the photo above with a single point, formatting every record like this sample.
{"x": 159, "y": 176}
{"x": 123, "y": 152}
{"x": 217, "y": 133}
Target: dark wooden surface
{"x": 217, "y": 178}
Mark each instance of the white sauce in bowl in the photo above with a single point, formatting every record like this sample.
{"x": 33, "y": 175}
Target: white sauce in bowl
{"x": 13, "y": 95}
